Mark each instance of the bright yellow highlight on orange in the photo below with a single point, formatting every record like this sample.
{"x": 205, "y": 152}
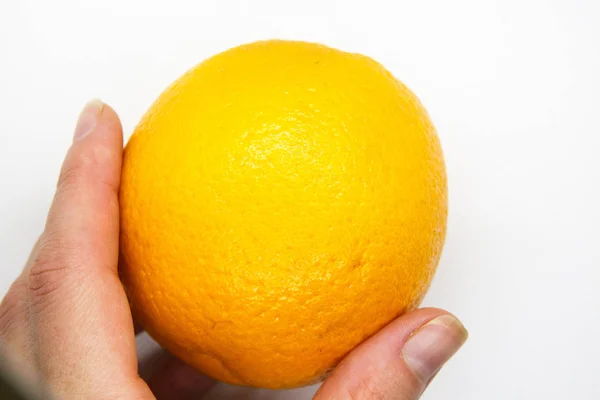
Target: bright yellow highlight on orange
{"x": 280, "y": 203}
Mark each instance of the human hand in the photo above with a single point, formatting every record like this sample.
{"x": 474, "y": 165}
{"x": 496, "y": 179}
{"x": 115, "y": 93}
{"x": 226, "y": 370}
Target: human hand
{"x": 67, "y": 324}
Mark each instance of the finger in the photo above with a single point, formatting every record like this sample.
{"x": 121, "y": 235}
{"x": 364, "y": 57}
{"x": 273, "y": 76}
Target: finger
{"x": 77, "y": 304}
{"x": 399, "y": 361}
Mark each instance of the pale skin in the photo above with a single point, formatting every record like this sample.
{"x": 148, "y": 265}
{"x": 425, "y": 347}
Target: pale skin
{"x": 67, "y": 325}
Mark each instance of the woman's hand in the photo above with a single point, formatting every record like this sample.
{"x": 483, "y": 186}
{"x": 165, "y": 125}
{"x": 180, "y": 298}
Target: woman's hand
{"x": 66, "y": 321}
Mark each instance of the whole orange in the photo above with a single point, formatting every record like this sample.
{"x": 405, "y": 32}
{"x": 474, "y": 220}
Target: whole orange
{"x": 280, "y": 203}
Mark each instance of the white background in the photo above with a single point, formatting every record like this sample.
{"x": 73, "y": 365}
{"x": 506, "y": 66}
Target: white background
{"x": 512, "y": 85}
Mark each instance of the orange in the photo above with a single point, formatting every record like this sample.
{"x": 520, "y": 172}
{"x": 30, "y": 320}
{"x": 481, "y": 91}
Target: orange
{"x": 280, "y": 203}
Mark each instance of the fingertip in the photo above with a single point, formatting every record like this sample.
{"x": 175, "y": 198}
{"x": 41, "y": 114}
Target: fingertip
{"x": 429, "y": 347}
{"x": 408, "y": 323}
{"x": 112, "y": 121}
{"x": 98, "y": 119}
{"x": 401, "y": 359}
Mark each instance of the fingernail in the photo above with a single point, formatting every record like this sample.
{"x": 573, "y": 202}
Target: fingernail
{"x": 428, "y": 349}
{"x": 88, "y": 119}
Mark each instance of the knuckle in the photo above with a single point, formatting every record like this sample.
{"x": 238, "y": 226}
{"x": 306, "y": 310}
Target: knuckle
{"x": 50, "y": 270}
{"x": 365, "y": 389}
{"x": 45, "y": 277}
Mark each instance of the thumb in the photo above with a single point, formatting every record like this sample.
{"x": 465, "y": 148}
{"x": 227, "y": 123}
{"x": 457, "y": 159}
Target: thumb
{"x": 399, "y": 361}
{"x": 82, "y": 325}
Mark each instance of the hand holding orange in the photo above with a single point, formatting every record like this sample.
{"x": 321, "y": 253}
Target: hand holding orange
{"x": 280, "y": 203}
